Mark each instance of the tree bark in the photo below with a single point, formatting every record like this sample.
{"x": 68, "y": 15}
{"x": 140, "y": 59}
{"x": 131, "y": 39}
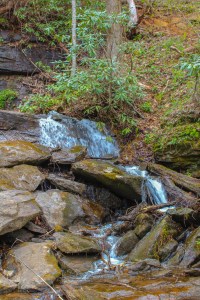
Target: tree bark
{"x": 74, "y": 42}
{"x": 133, "y": 13}
{"x": 114, "y": 38}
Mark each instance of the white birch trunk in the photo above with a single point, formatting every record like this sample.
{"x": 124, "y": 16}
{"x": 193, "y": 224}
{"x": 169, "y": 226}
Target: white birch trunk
{"x": 133, "y": 13}
{"x": 74, "y": 62}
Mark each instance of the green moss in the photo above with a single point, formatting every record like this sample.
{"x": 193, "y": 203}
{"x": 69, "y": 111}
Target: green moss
{"x": 6, "y": 97}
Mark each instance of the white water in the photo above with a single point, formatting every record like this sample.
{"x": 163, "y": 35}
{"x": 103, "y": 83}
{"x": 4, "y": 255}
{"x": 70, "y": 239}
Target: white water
{"x": 57, "y": 130}
{"x": 153, "y": 185}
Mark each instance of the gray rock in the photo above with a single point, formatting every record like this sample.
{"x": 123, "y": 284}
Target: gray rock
{"x": 26, "y": 258}
{"x": 67, "y": 185}
{"x": 76, "y": 264}
{"x": 71, "y": 243}
{"x": 59, "y": 208}
{"x": 17, "y": 209}
{"x": 23, "y": 177}
{"x": 159, "y": 236}
{"x": 165, "y": 251}
{"x": 21, "y": 235}
{"x": 21, "y": 152}
{"x": 69, "y": 156}
{"x": 191, "y": 249}
{"x": 6, "y": 285}
{"x": 35, "y": 228}
{"x": 111, "y": 177}
{"x": 126, "y": 243}
{"x": 184, "y": 215}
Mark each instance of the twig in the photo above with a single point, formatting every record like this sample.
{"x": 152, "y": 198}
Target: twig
{"x": 56, "y": 293}
{"x": 175, "y": 49}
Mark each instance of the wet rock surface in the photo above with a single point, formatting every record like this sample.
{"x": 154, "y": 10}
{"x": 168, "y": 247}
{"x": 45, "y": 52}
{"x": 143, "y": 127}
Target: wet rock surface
{"x": 67, "y": 157}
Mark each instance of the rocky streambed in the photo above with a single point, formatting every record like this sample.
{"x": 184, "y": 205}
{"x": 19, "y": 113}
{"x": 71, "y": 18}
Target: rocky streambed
{"x": 92, "y": 229}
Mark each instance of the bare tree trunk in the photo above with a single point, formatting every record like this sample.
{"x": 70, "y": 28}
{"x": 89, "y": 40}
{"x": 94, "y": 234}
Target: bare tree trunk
{"x": 114, "y": 38}
{"x": 133, "y": 13}
{"x": 74, "y": 62}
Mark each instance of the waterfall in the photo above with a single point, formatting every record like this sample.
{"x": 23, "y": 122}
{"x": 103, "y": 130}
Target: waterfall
{"x": 57, "y": 130}
{"x": 153, "y": 185}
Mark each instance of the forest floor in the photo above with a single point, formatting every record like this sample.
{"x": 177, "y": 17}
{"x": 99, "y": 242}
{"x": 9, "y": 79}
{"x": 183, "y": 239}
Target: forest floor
{"x": 165, "y": 37}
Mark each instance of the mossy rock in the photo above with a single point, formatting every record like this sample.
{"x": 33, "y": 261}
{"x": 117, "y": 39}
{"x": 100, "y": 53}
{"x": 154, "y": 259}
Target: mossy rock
{"x": 110, "y": 177}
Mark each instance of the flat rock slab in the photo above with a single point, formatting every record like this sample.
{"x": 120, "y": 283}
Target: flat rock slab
{"x": 21, "y": 152}
{"x": 17, "y": 209}
{"x": 111, "y": 177}
{"x": 37, "y": 257}
{"x": 69, "y": 156}
{"x": 73, "y": 244}
{"x": 22, "y": 177}
{"x": 6, "y": 285}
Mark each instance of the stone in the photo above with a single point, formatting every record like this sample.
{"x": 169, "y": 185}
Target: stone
{"x": 59, "y": 208}
{"x": 35, "y": 228}
{"x": 73, "y": 244}
{"x": 27, "y": 259}
{"x": 126, "y": 243}
{"x": 76, "y": 264}
{"x": 69, "y": 156}
{"x": 191, "y": 249}
{"x": 21, "y": 152}
{"x": 159, "y": 236}
{"x": 17, "y": 209}
{"x": 94, "y": 212}
{"x": 167, "y": 250}
{"x": 22, "y": 177}
{"x": 6, "y": 285}
{"x": 184, "y": 215}
{"x": 110, "y": 177}
{"x": 21, "y": 235}
{"x": 67, "y": 185}
{"x": 14, "y": 60}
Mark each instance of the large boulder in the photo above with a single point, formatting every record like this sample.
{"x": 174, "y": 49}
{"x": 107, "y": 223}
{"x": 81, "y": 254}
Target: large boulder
{"x": 158, "y": 237}
{"x": 111, "y": 177}
{"x": 191, "y": 249}
{"x": 21, "y": 152}
{"x": 184, "y": 215}
{"x": 72, "y": 243}
{"x": 26, "y": 260}
{"x": 59, "y": 208}
{"x": 17, "y": 209}
{"x": 22, "y": 177}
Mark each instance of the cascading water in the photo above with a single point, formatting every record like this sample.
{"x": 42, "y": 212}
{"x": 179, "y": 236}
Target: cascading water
{"x": 62, "y": 131}
{"x": 153, "y": 185}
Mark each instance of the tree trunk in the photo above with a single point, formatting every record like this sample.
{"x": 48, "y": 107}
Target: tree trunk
{"x": 133, "y": 13}
{"x": 74, "y": 62}
{"x": 114, "y": 38}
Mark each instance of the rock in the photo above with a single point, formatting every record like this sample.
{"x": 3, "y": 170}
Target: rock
{"x": 36, "y": 257}
{"x": 184, "y": 215}
{"x": 143, "y": 218}
{"x": 21, "y": 152}
{"x": 95, "y": 212}
{"x": 71, "y": 243}
{"x": 23, "y": 177}
{"x": 12, "y": 120}
{"x": 59, "y": 208}
{"x": 144, "y": 265}
{"x": 17, "y": 209}
{"x": 104, "y": 197}
{"x": 191, "y": 249}
{"x": 165, "y": 251}
{"x": 6, "y": 285}
{"x": 21, "y": 235}
{"x": 69, "y": 156}
{"x": 126, "y": 243}
{"x": 111, "y": 177}
{"x": 35, "y": 228}
{"x": 159, "y": 236}
{"x": 16, "y": 61}
{"x": 76, "y": 264}
{"x": 67, "y": 185}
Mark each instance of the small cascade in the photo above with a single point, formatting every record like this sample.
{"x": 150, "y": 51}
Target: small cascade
{"x": 57, "y": 130}
{"x": 153, "y": 185}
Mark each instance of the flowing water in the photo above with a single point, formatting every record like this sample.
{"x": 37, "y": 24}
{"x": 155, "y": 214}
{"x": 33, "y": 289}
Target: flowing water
{"x": 62, "y": 131}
